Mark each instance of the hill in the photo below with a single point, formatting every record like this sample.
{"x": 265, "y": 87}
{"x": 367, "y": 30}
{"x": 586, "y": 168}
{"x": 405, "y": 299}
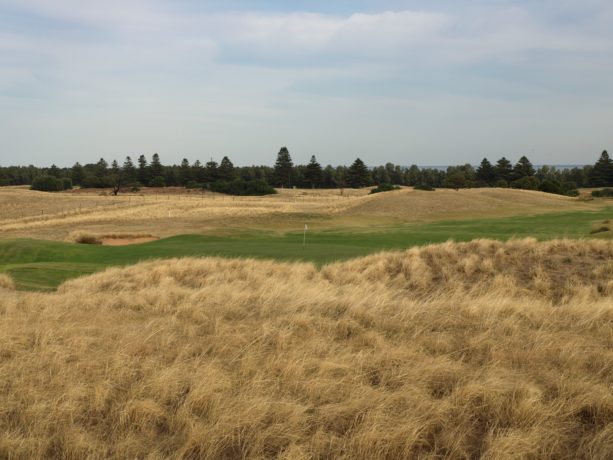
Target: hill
{"x": 454, "y": 350}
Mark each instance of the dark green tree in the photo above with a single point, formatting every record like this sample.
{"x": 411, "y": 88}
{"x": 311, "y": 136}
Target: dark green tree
{"x": 211, "y": 172}
{"x": 128, "y": 171}
{"x": 283, "y": 168}
{"x": 143, "y": 170}
{"x": 155, "y": 167}
{"x": 115, "y": 168}
{"x": 523, "y": 168}
{"x": 313, "y": 174}
{"x": 198, "y": 172}
{"x": 485, "y": 173}
{"x": 101, "y": 168}
{"x": 503, "y": 170}
{"x": 358, "y": 175}
{"x": 602, "y": 172}
{"x": 77, "y": 174}
{"x": 185, "y": 172}
{"x": 226, "y": 170}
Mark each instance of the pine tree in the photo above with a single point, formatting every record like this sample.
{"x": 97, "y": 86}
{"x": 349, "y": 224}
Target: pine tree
{"x": 185, "y": 172}
{"x": 358, "y": 175}
{"x": 283, "y": 168}
{"x": 115, "y": 168}
{"x": 101, "y": 168}
{"x": 485, "y": 173}
{"x": 143, "y": 172}
{"x": 77, "y": 175}
{"x": 226, "y": 170}
{"x": 503, "y": 170}
{"x": 211, "y": 172}
{"x": 128, "y": 171}
{"x": 155, "y": 167}
{"x": 198, "y": 172}
{"x": 523, "y": 168}
{"x": 602, "y": 172}
{"x": 313, "y": 173}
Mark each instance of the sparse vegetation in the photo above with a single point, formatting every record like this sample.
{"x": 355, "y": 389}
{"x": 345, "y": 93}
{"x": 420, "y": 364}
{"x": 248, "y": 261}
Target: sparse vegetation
{"x": 384, "y": 188}
{"x": 483, "y": 349}
{"x": 604, "y": 193}
{"x": 6, "y": 282}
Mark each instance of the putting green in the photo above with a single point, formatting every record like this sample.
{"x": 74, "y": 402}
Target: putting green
{"x": 43, "y": 265}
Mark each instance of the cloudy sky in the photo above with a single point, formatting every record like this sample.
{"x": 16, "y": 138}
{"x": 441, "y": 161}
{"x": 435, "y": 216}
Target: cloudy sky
{"x": 425, "y": 82}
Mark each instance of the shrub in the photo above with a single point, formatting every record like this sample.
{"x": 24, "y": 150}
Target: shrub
{"x": 604, "y": 193}
{"x": 424, "y": 187}
{"x": 193, "y": 184}
{"x": 47, "y": 184}
{"x": 84, "y": 238}
{"x": 66, "y": 183}
{"x": 526, "y": 183}
{"x": 502, "y": 183}
{"x": 242, "y": 187}
{"x": 90, "y": 182}
{"x": 384, "y": 188}
{"x": 551, "y": 186}
{"x": 157, "y": 181}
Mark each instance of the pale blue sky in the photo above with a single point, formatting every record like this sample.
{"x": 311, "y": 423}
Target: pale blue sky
{"x": 426, "y": 82}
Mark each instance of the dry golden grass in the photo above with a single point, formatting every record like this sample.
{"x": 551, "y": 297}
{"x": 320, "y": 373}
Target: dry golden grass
{"x": 464, "y": 203}
{"x": 6, "y": 282}
{"x": 26, "y": 213}
{"x": 482, "y": 349}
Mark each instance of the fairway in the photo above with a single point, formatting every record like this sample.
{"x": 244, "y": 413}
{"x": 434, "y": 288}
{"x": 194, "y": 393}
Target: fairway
{"x": 43, "y": 265}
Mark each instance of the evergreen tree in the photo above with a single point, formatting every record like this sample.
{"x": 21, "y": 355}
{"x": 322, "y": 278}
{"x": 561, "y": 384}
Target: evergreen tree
{"x": 185, "y": 172}
{"x": 283, "y": 168}
{"x": 503, "y": 170}
{"x": 523, "y": 168}
{"x": 211, "y": 172}
{"x": 602, "y": 172}
{"x": 485, "y": 173}
{"x": 313, "y": 173}
{"x": 143, "y": 171}
{"x": 101, "y": 168}
{"x": 226, "y": 170}
{"x": 358, "y": 175}
{"x": 155, "y": 167}
{"x": 128, "y": 171}
{"x": 77, "y": 175}
{"x": 198, "y": 172}
{"x": 115, "y": 168}
{"x": 54, "y": 171}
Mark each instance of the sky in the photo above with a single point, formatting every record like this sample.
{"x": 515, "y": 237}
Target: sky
{"x": 409, "y": 82}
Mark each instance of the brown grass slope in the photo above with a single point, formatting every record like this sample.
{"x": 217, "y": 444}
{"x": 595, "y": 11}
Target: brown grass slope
{"x": 482, "y": 349}
{"x": 446, "y": 203}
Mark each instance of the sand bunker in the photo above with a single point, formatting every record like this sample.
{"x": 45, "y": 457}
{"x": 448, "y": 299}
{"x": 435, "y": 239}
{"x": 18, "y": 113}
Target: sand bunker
{"x": 127, "y": 241}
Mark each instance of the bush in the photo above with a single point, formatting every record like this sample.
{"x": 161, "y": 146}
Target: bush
{"x": 66, "y": 183}
{"x": 47, "y": 184}
{"x": 242, "y": 187}
{"x": 384, "y": 188}
{"x": 157, "y": 181}
{"x": 193, "y": 184}
{"x": 424, "y": 187}
{"x": 526, "y": 183}
{"x": 90, "y": 182}
{"x": 501, "y": 183}
{"x": 604, "y": 193}
{"x": 551, "y": 186}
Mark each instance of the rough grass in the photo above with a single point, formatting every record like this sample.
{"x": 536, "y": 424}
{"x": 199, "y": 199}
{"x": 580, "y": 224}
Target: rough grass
{"x": 6, "y": 282}
{"x": 482, "y": 349}
{"x": 27, "y": 213}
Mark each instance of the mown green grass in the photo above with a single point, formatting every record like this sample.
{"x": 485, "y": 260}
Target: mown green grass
{"x": 43, "y": 265}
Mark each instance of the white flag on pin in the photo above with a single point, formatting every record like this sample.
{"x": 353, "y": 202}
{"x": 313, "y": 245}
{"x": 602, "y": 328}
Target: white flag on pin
{"x": 306, "y": 227}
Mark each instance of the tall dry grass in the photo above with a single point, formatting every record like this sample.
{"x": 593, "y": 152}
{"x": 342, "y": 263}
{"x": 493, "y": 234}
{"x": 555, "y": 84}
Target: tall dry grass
{"x": 6, "y": 282}
{"x": 483, "y": 349}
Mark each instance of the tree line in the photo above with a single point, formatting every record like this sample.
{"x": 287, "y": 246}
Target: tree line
{"x": 224, "y": 176}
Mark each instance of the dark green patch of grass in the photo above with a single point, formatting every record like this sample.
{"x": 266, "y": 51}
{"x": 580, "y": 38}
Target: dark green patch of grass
{"x": 43, "y": 265}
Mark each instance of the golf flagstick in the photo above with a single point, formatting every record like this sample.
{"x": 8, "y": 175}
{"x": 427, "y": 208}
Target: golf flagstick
{"x": 306, "y": 227}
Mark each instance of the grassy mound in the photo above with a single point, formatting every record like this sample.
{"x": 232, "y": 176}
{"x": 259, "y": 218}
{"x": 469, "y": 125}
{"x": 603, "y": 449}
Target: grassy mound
{"x": 454, "y": 350}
